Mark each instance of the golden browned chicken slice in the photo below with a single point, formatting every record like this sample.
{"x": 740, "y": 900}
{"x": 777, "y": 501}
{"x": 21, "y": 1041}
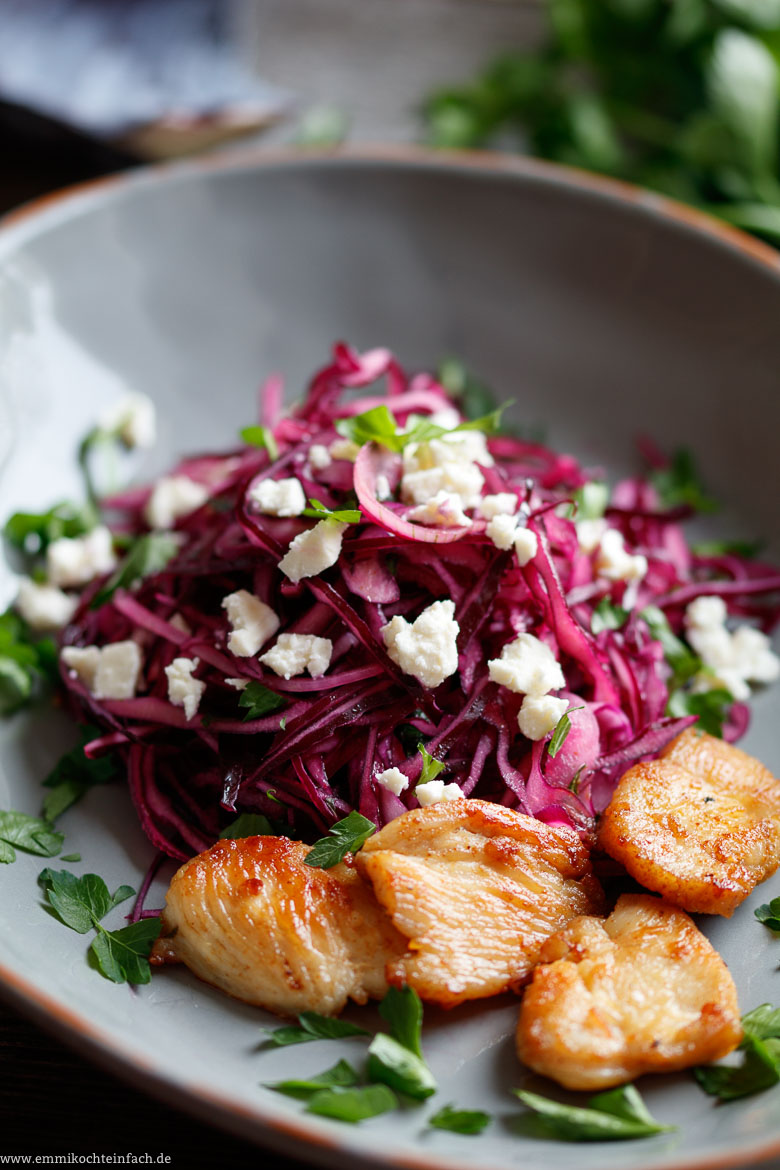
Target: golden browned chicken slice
{"x": 643, "y": 991}
{"x": 476, "y": 888}
{"x": 701, "y": 825}
{"x": 251, "y": 918}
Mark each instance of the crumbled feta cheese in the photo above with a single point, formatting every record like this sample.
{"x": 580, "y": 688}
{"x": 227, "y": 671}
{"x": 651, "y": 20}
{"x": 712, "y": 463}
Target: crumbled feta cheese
{"x": 383, "y": 489}
{"x": 589, "y": 534}
{"x": 614, "y": 562}
{"x": 503, "y": 503}
{"x": 238, "y": 684}
{"x": 180, "y": 623}
{"x": 447, "y": 417}
{"x": 501, "y": 530}
{"x": 436, "y": 791}
{"x": 184, "y": 690}
{"x": 319, "y": 456}
{"x": 134, "y": 419}
{"x": 528, "y": 666}
{"x": 539, "y": 714}
{"x": 447, "y": 464}
{"x": 735, "y": 659}
{"x": 526, "y": 546}
{"x": 172, "y": 497}
{"x": 471, "y": 445}
{"x": 44, "y": 607}
{"x": 252, "y": 620}
{"x": 706, "y": 611}
{"x": 344, "y": 449}
{"x": 314, "y": 550}
{"x": 78, "y": 559}
{"x": 294, "y": 653}
{"x": 278, "y": 497}
{"x": 108, "y": 672}
{"x": 393, "y": 780}
{"x": 426, "y": 648}
{"x": 445, "y": 509}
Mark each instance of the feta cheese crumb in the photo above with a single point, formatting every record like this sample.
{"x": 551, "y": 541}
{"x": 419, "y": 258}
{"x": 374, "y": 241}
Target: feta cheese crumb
{"x": 278, "y": 497}
{"x": 78, "y": 559}
{"x": 526, "y": 546}
{"x": 319, "y": 456}
{"x": 426, "y": 648}
{"x": 503, "y": 503}
{"x": 294, "y": 653}
{"x": 445, "y": 509}
{"x": 252, "y": 620}
{"x": 393, "y": 780}
{"x": 184, "y": 690}
{"x": 383, "y": 489}
{"x": 615, "y": 563}
{"x": 436, "y": 792}
{"x": 706, "y": 611}
{"x": 344, "y": 449}
{"x": 447, "y": 417}
{"x": 527, "y": 666}
{"x": 44, "y": 607}
{"x": 501, "y": 530}
{"x": 134, "y": 419}
{"x": 108, "y": 672}
{"x": 735, "y": 659}
{"x": 172, "y": 497}
{"x": 539, "y": 714}
{"x": 238, "y": 684}
{"x": 447, "y": 464}
{"x": 314, "y": 550}
{"x": 589, "y": 534}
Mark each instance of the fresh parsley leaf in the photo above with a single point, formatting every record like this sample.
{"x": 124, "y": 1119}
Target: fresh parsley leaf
{"x": 684, "y": 663}
{"x": 247, "y": 825}
{"x": 607, "y": 616}
{"x": 258, "y": 700}
{"x": 468, "y": 1121}
{"x": 24, "y": 662}
{"x": 313, "y": 1026}
{"x": 123, "y": 955}
{"x": 395, "y": 1065}
{"x": 150, "y": 554}
{"x": 591, "y": 500}
{"x": 261, "y": 437}
{"x": 341, "y": 1074}
{"x": 80, "y": 902}
{"x": 30, "y": 834}
{"x": 74, "y": 774}
{"x": 613, "y": 1116}
{"x": 678, "y": 484}
{"x": 402, "y": 1009}
{"x": 762, "y": 1022}
{"x": 70, "y": 857}
{"x": 7, "y": 854}
{"x": 430, "y": 768}
{"x": 33, "y": 532}
{"x": 711, "y": 707}
{"x": 410, "y": 737}
{"x": 561, "y": 732}
{"x": 474, "y": 397}
{"x": 373, "y": 426}
{"x": 725, "y": 548}
{"x": 759, "y": 1070}
{"x": 16, "y": 685}
{"x": 769, "y": 914}
{"x": 353, "y": 1105}
{"x": 425, "y": 430}
{"x": 346, "y": 836}
{"x": 344, "y": 515}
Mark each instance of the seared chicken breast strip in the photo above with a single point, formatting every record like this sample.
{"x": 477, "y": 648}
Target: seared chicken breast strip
{"x": 251, "y": 918}
{"x": 700, "y": 825}
{"x": 641, "y": 992}
{"x": 475, "y": 888}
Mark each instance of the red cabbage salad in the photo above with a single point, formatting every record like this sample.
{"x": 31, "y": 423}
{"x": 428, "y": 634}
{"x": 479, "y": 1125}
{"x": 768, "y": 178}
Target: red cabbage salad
{"x": 374, "y": 603}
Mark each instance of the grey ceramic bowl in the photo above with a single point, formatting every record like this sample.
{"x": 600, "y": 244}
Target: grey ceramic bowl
{"x": 604, "y": 312}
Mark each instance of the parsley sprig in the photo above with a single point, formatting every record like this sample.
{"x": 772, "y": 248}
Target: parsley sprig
{"x": 81, "y": 903}
{"x": 615, "y": 1115}
{"x": 74, "y": 775}
{"x": 378, "y": 425}
{"x": 430, "y": 767}
{"x": 149, "y": 554}
{"x": 258, "y": 436}
{"x": 318, "y": 511}
{"x": 346, "y": 836}
{"x": 760, "y": 1066}
{"x": 258, "y": 700}
{"x": 30, "y": 834}
{"x": 26, "y": 663}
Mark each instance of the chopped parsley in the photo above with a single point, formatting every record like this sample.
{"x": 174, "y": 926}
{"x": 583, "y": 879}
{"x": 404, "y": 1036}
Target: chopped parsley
{"x": 261, "y": 437}
{"x": 258, "y": 700}
{"x": 760, "y": 1065}
{"x": 318, "y": 511}
{"x": 615, "y": 1115}
{"x": 769, "y": 914}
{"x": 466, "y": 1121}
{"x": 346, "y": 836}
{"x": 148, "y": 555}
{"x": 313, "y": 1026}
{"x": 430, "y": 767}
{"x": 30, "y": 834}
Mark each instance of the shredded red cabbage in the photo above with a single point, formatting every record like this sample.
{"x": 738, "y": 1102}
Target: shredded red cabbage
{"x": 316, "y": 757}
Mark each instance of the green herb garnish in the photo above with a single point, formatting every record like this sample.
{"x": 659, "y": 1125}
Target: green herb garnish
{"x": 430, "y": 768}
{"x": 561, "y": 732}
{"x": 341, "y": 1075}
{"x": 467, "y": 1121}
{"x": 258, "y": 700}
{"x": 760, "y": 1066}
{"x": 313, "y": 1026}
{"x": 393, "y": 1064}
{"x": 346, "y": 836}
{"x": 353, "y": 1105}
{"x": 607, "y": 616}
{"x": 30, "y": 834}
{"x": 261, "y": 437}
{"x": 81, "y": 902}
{"x": 247, "y": 825}
{"x": 616, "y": 1115}
{"x": 74, "y": 775}
{"x": 711, "y": 707}
{"x": 150, "y": 554}
{"x": 379, "y": 426}
{"x": 684, "y": 663}
{"x": 769, "y": 914}
{"x": 33, "y": 532}
{"x": 25, "y": 662}
{"x": 678, "y": 484}
{"x": 318, "y": 511}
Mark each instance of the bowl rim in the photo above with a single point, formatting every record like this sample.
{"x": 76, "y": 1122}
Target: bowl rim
{"x": 32, "y": 218}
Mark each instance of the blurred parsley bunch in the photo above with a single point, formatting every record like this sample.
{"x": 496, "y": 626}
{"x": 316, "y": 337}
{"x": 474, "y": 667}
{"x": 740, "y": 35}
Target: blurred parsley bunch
{"x": 678, "y": 95}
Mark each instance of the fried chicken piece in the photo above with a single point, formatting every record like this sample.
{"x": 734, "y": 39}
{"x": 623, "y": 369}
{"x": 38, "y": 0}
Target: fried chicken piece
{"x": 643, "y": 991}
{"x": 476, "y": 888}
{"x": 700, "y": 825}
{"x": 251, "y": 918}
